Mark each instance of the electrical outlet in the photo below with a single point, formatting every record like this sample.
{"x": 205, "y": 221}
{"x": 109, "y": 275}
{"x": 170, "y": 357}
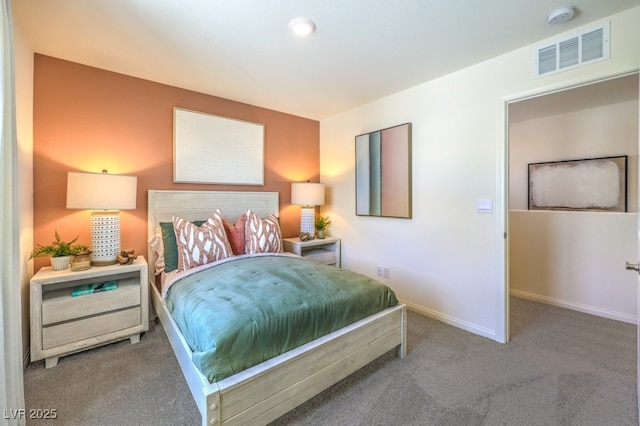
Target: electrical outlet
{"x": 382, "y": 271}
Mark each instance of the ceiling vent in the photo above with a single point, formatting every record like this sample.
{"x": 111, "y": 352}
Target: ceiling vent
{"x": 572, "y": 52}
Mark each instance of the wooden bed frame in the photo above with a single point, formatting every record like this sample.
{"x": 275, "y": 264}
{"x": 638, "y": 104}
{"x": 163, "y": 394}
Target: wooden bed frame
{"x": 267, "y": 391}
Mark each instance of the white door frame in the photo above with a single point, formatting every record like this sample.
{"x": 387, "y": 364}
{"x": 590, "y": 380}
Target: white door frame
{"x": 638, "y": 298}
{"x": 503, "y": 288}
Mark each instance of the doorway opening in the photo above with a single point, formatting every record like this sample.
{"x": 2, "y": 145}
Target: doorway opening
{"x": 573, "y": 259}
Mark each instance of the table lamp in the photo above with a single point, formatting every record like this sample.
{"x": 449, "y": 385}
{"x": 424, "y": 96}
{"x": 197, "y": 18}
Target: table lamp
{"x": 308, "y": 195}
{"x": 106, "y": 194}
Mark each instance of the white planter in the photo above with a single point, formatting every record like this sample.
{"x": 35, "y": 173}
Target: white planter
{"x": 60, "y": 263}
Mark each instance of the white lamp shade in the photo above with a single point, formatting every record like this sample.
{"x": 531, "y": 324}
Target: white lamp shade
{"x": 101, "y": 191}
{"x": 106, "y": 193}
{"x": 307, "y": 194}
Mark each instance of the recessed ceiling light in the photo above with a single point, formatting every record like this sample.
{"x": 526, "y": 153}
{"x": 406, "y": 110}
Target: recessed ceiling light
{"x": 561, "y": 15}
{"x": 302, "y": 26}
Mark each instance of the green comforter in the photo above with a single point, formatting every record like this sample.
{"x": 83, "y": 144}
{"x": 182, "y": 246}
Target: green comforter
{"x": 240, "y": 313}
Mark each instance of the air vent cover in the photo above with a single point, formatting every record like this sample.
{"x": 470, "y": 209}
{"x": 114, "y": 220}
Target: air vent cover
{"x": 572, "y": 52}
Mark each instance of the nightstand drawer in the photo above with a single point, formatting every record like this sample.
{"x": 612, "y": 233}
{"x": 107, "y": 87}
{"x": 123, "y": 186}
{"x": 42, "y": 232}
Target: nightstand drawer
{"x": 58, "y": 306}
{"x": 68, "y": 332}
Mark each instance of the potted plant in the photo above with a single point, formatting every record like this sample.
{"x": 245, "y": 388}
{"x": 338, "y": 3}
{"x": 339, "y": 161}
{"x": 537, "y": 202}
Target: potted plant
{"x": 81, "y": 260}
{"x": 60, "y": 252}
{"x": 321, "y": 225}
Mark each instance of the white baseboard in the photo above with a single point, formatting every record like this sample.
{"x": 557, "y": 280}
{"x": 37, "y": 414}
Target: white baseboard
{"x": 447, "y": 319}
{"x": 575, "y": 306}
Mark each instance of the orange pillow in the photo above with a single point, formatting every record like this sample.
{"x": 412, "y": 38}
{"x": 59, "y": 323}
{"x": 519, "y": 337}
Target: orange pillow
{"x": 235, "y": 234}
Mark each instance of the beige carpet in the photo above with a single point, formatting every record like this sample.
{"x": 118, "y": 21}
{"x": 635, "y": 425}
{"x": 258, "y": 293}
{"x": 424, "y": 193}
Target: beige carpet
{"x": 560, "y": 368}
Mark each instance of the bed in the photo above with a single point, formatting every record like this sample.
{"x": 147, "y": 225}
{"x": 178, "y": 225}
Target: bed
{"x": 266, "y": 391}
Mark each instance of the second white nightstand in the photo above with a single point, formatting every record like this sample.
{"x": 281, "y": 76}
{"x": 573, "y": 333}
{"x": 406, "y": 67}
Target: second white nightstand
{"x": 326, "y": 250}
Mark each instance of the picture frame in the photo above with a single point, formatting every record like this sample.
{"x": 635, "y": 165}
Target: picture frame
{"x": 219, "y": 150}
{"x": 592, "y": 184}
{"x": 383, "y": 172}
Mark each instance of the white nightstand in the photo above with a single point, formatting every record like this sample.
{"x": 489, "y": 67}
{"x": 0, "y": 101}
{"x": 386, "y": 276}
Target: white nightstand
{"x": 326, "y": 250}
{"x": 62, "y": 324}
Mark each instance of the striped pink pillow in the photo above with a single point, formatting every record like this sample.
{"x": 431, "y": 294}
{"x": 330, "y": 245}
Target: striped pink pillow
{"x": 262, "y": 235}
{"x": 200, "y": 245}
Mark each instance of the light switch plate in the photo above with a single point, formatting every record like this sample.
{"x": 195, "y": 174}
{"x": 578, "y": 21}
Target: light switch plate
{"x": 484, "y": 205}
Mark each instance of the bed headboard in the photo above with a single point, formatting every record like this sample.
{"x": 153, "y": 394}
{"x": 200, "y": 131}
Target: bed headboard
{"x": 194, "y": 205}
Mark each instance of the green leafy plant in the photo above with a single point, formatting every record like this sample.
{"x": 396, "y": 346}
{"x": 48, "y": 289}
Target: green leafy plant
{"x": 59, "y": 248}
{"x": 322, "y": 222}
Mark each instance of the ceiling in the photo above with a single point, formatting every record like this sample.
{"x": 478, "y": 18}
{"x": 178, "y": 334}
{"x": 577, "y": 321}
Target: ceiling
{"x": 243, "y": 49}
{"x": 607, "y": 92}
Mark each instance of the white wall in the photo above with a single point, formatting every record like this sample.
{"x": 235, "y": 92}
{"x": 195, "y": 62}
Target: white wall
{"x": 448, "y": 261}
{"x": 575, "y": 260}
{"x": 24, "y": 118}
{"x": 603, "y": 131}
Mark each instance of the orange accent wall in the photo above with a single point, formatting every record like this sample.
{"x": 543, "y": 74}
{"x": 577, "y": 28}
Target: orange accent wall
{"x": 89, "y": 119}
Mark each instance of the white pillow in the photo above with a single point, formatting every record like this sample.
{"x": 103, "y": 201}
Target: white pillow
{"x": 157, "y": 246}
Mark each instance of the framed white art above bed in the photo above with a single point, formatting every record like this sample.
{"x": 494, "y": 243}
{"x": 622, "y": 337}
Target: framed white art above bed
{"x": 212, "y": 149}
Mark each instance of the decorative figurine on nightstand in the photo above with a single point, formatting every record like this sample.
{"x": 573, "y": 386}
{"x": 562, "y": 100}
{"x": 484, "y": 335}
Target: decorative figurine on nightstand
{"x": 305, "y": 236}
{"x": 321, "y": 225}
{"x": 126, "y": 257}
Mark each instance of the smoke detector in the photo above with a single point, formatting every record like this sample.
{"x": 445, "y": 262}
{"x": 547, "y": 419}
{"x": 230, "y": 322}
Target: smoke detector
{"x": 561, "y": 15}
